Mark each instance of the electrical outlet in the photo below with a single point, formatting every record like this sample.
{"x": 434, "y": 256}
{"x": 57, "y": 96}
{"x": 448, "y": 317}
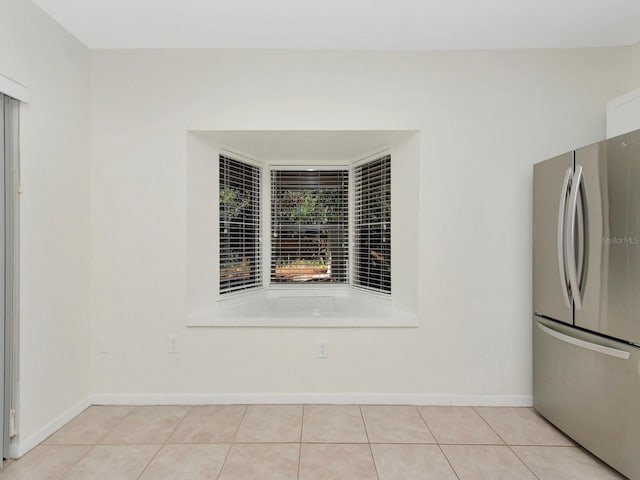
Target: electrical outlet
{"x": 323, "y": 349}
{"x": 173, "y": 344}
{"x": 103, "y": 344}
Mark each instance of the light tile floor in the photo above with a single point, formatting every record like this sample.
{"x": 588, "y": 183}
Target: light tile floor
{"x": 311, "y": 442}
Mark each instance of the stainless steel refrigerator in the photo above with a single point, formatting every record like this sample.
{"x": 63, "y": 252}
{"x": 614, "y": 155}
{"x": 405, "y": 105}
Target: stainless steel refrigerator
{"x": 586, "y": 297}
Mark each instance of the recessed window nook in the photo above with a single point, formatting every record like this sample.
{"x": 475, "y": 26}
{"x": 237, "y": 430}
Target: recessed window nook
{"x": 321, "y": 165}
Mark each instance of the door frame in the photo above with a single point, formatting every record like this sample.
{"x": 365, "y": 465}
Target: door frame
{"x": 9, "y": 189}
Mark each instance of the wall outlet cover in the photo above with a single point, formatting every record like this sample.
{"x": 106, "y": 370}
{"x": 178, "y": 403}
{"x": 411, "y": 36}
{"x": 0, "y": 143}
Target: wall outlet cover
{"x": 323, "y": 349}
{"x": 174, "y": 346}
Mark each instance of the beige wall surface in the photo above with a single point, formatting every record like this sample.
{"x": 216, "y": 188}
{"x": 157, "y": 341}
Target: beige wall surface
{"x": 54, "y": 326}
{"x": 483, "y": 119}
{"x": 635, "y": 67}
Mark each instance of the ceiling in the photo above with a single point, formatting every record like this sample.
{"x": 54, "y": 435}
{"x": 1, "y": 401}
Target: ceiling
{"x": 349, "y": 24}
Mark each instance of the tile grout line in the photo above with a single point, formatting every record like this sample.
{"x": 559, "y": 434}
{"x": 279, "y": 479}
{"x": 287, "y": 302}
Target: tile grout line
{"x": 525, "y": 463}
{"x": 505, "y": 442}
{"x": 133, "y": 408}
{"x": 427, "y": 425}
{"x": 72, "y": 466}
{"x": 97, "y": 442}
{"x": 166, "y": 440}
{"x": 314, "y": 442}
{"x": 489, "y": 425}
{"x": 448, "y": 461}
{"x": 364, "y": 424}
{"x": 233, "y": 441}
{"x": 91, "y": 446}
{"x": 475, "y": 444}
{"x": 572, "y": 444}
{"x": 366, "y": 432}
{"x": 162, "y": 445}
{"x": 153, "y": 457}
{"x": 300, "y": 444}
{"x": 439, "y": 445}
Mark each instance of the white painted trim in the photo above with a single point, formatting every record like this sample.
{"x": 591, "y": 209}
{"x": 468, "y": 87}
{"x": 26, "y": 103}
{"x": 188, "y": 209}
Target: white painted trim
{"x": 313, "y": 398}
{"x": 229, "y": 311}
{"x": 13, "y": 89}
{"x": 308, "y": 167}
{"x": 210, "y": 319}
{"x": 19, "y": 446}
{"x": 370, "y": 157}
{"x": 228, "y": 152}
{"x": 622, "y": 113}
{"x": 622, "y": 99}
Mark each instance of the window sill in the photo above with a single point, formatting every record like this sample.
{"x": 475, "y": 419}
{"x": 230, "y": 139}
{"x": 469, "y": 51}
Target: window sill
{"x": 304, "y": 308}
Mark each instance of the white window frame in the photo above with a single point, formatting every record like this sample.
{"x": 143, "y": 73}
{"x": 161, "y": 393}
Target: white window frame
{"x": 352, "y": 226}
{"x": 221, "y": 296}
{"x": 267, "y": 232}
{"x": 265, "y": 220}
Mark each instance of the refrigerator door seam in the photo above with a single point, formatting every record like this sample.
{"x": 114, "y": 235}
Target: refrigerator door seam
{"x": 561, "y": 237}
{"x": 612, "y": 352}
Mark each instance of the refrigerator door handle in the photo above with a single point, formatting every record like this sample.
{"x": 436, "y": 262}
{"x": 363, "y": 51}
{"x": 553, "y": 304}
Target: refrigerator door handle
{"x": 561, "y": 236}
{"x": 583, "y": 243}
{"x": 571, "y": 238}
{"x": 612, "y": 352}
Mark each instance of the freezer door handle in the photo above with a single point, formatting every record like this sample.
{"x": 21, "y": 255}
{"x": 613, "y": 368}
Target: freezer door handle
{"x": 571, "y": 238}
{"x": 612, "y": 352}
{"x": 561, "y": 236}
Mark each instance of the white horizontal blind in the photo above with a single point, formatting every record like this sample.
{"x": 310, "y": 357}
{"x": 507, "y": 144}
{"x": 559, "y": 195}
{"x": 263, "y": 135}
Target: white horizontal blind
{"x": 372, "y": 223}
{"x": 309, "y": 226}
{"x": 240, "y": 259}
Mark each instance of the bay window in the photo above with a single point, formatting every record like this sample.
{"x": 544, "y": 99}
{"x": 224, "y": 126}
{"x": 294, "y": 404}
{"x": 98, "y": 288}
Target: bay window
{"x": 311, "y": 215}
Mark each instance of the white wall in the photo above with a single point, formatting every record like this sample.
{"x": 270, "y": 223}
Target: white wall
{"x": 54, "y": 346}
{"x": 635, "y": 67}
{"x": 405, "y": 209}
{"x": 484, "y": 119}
{"x": 623, "y": 112}
{"x": 202, "y": 234}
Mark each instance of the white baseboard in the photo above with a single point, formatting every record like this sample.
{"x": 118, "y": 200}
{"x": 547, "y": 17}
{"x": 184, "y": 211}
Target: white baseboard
{"x": 313, "y": 398}
{"x": 19, "y": 446}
